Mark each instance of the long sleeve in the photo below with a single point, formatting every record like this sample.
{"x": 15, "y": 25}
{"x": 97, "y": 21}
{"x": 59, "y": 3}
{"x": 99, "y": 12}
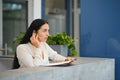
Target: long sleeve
{"x": 27, "y": 57}
{"x": 53, "y": 55}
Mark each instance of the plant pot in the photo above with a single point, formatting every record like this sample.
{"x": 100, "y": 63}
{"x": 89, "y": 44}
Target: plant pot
{"x": 61, "y": 49}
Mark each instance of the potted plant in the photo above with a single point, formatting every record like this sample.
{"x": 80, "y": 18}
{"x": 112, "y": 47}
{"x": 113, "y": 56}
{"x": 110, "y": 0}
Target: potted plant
{"x": 63, "y": 39}
{"x": 18, "y": 38}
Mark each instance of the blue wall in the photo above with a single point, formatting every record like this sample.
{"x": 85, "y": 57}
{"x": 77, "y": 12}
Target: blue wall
{"x": 100, "y": 30}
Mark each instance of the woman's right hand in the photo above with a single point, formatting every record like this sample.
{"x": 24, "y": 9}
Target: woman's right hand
{"x": 34, "y": 40}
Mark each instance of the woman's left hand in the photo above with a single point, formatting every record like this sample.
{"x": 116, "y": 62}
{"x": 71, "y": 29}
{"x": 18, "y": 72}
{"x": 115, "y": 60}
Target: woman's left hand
{"x": 69, "y": 59}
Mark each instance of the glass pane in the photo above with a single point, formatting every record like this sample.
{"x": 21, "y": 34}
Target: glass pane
{"x": 56, "y": 15}
{"x": 14, "y": 22}
{"x": 78, "y": 3}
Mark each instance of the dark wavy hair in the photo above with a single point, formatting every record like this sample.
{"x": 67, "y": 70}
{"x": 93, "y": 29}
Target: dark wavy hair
{"x": 35, "y": 25}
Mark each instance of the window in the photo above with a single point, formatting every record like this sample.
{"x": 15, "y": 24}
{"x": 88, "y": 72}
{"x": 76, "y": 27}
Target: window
{"x": 62, "y": 18}
{"x": 14, "y": 21}
{"x": 56, "y": 15}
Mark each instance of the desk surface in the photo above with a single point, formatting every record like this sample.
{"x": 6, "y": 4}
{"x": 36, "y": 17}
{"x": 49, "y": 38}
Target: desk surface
{"x": 78, "y": 61}
{"x": 73, "y": 66}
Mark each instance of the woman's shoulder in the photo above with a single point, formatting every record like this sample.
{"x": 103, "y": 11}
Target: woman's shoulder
{"x": 23, "y": 45}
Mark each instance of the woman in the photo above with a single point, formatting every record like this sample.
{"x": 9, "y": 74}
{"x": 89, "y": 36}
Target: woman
{"x": 33, "y": 49}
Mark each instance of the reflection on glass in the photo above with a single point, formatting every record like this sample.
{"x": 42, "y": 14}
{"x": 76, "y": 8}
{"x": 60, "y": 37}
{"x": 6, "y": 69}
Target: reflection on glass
{"x": 12, "y": 6}
{"x": 56, "y": 15}
{"x": 57, "y": 22}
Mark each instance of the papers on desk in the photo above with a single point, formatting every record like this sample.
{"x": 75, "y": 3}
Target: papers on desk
{"x": 58, "y": 63}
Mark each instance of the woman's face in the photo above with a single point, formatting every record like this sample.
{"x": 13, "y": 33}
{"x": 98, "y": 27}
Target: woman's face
{"x": 43, "y": 33}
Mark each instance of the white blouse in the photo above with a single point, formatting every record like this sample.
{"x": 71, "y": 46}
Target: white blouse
{"x": 30, "y": 56}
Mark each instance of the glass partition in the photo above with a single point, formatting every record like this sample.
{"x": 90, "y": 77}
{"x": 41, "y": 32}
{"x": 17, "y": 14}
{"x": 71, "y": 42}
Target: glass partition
{"x": 64, "y": 16}
{"x": 56, "y": 15}
{"x": 14, "y": 21}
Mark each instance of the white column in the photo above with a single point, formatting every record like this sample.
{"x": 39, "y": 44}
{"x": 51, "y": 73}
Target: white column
{"x": 34, "y": 10}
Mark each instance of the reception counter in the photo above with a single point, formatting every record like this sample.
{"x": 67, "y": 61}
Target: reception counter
{"x": 83, "y": 68}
